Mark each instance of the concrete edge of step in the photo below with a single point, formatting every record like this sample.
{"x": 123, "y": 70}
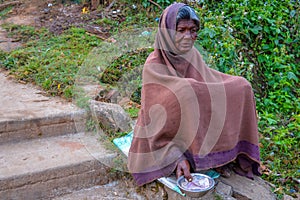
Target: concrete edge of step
{"x": 70, "y": 179}
{"x": 62, "y": 123}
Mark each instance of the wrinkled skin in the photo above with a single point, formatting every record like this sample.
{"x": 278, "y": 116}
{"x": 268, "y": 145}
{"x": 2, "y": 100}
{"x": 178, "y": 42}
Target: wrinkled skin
{"x": 186, "y": 34}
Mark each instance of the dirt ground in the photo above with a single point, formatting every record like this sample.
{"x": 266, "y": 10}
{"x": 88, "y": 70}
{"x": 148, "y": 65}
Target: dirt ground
{"x": 57, "y": 16}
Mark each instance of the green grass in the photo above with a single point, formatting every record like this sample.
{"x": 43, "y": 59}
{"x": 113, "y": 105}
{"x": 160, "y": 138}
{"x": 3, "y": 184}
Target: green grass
{"x": 51, "y": 62}
{"x": 260, "y": 41}
{"x": 133, "y": 112}
{"x": 124, "y": 63}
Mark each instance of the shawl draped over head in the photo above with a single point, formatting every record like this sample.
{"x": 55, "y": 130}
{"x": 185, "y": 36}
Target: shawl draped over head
{"x": 190, "y": 111}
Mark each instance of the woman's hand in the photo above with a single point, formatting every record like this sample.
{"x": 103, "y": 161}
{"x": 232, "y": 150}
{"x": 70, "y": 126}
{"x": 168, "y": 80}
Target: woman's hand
{"x": 183, "y": 168}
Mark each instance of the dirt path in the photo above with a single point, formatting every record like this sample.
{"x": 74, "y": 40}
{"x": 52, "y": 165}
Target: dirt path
{"x": 7, "y": 44}
{"x": 56, "y": 17}
{"x": 23, "y": 14}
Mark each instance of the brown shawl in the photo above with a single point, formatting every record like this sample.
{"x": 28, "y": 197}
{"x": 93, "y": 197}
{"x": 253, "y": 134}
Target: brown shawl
{"x": 192, "y": 112}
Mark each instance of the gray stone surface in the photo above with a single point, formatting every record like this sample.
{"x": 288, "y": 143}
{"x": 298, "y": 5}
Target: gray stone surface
{"x": 47, "y": 167}
{"x": 26, "y": 113}
{"x": 288, "y": 197}
{"x": 126, "y": 190}
{"x": 112, "y": 117}
{"x": 112, "y": 190}
{"x": 25, "y": 101}
{"x": 223, "y": 189}
{"x": 244, "y": 188}
{"x": 31, "y": 128}
{"x": 42, "y": 155}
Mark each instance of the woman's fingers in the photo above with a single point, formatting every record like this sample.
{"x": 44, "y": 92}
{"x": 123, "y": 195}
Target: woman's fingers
{"x": 179, "y": 171}
{"x": 186, "y": 171}
{"x": 183, "y": 168}
{"x": 187, "y": 174}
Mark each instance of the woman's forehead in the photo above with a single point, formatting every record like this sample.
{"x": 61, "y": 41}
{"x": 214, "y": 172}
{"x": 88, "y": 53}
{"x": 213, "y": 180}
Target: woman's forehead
{"x": 186, "y": 23}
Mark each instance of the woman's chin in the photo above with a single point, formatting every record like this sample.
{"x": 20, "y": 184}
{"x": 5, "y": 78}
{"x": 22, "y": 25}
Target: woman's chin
{"x": 184, "y": 50}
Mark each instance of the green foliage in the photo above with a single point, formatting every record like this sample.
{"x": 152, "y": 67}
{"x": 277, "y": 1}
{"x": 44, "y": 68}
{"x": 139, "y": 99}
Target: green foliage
{"x": 139, "y": 19}
{"x": 133, "y": 112}
{"x": 260, "y": 41}
{"x": 136, "y": 95}
{"x": 162, "y": 3}
{"x": 106, "y": 22}
{"x": 125, "y": 73}
{"x": 134, "y": 16}
{"x": 124, "y": 64}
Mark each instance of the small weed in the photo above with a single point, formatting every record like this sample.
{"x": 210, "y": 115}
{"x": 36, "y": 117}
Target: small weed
{"x": 106, "y": 22}
{"x": 91, "y": 126}
{"x": 133, "y": 112}
{"x": 24, "y": 33}
{"x": 4, "y": 12}
{"x": 218, "y": 197}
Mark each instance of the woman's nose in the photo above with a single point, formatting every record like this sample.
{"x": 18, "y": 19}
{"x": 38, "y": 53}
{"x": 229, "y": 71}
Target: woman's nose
{"x": 187, "y": 34}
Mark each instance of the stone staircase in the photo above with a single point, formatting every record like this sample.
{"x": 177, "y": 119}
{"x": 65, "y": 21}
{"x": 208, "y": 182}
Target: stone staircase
{"x": 45, "y": 153}
{"x": 48, "y": 167}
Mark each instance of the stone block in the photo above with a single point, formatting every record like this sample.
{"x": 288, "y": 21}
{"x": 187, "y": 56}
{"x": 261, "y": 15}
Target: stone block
{"x": 223, "y": 189}
{"x": 111, "y": 117}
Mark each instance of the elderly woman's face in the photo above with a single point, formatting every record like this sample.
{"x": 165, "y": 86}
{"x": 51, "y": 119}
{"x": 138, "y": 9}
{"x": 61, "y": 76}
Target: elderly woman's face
{"x": 186, "y": 34}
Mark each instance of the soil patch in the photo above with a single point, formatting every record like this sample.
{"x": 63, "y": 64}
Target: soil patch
{"x": 7, "y": 44}
{"x": 57, "y": 17}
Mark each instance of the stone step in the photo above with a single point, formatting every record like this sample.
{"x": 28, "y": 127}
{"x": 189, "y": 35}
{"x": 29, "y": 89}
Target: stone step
{"x": 45, "y": 168}
{"x": 115, "y": 190}
{"x": 234, "y": 188}
{"x": 62, "y": 123}
{"x": 26, "y": 112}
{"x": 124, "y": 189}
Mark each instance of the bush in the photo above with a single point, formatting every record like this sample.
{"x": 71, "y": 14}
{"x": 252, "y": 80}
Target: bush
{"x": 260, "y": 41}
{"x": 162, "y": 3}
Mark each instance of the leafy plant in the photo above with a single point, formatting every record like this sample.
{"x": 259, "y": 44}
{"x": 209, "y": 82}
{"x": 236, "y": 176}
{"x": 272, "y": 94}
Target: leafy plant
{"x": 162, "y": 3}
{"x": 133, "y": 112}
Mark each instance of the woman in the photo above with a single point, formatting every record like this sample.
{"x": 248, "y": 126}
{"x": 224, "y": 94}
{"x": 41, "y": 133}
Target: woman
{"x": 192, "y": 117}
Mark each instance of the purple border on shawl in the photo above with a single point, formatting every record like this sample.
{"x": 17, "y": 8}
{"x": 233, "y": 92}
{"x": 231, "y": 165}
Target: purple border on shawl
{"x": 220, "y": 158}
{"x": 211, "y": 160}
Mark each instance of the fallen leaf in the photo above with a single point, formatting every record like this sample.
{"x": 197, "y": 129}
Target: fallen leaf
{"x": 279, "y": 189}
{"x": 85, "y": 10}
